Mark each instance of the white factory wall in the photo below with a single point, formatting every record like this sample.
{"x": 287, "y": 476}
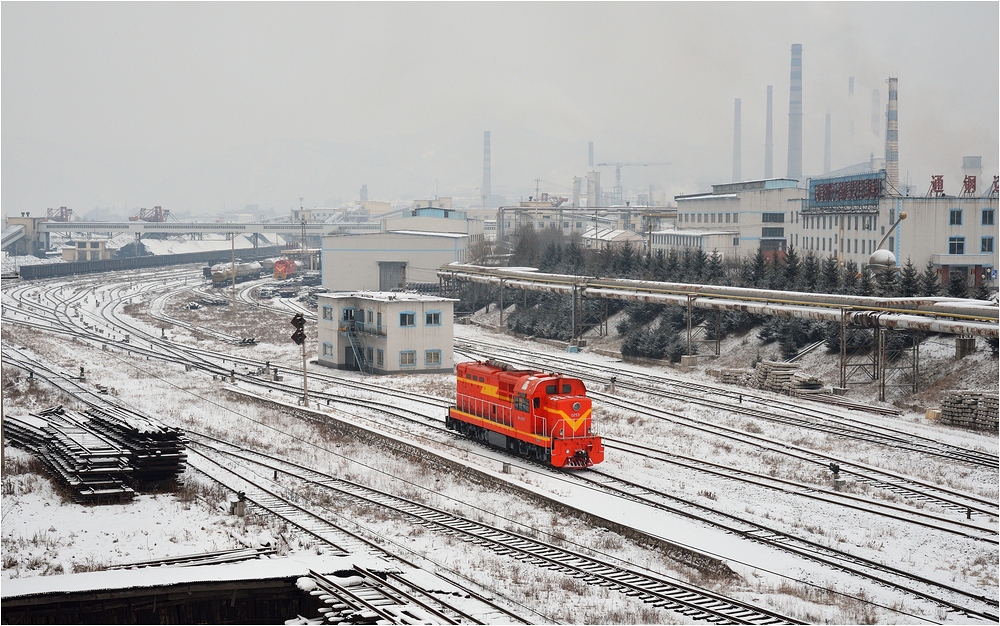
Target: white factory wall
{"x": 351, "y": 262}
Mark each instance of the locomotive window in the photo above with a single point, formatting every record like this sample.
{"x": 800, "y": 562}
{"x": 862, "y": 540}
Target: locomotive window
{"x": 521, "y": 403}
{"x": 537, "y": 402}
{"x": 550, "y": 388}
{"x": 567, "y": 388}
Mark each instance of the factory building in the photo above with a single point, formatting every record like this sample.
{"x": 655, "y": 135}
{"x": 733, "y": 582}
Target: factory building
{"x": 407, "y": 251}
{"x": 760, "y": 212}
{"x": 842, "y": 216}
{"x": 385, "y": 332}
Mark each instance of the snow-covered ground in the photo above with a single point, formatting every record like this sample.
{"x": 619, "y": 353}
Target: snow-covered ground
{"x": 45, "y": 534}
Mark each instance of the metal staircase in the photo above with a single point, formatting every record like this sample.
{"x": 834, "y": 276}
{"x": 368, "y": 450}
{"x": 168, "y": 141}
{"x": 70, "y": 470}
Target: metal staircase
{"x": 357, "y": 339}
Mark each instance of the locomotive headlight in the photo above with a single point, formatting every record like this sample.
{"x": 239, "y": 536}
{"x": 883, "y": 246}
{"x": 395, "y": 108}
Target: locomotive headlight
{"x": 576, "y": 406}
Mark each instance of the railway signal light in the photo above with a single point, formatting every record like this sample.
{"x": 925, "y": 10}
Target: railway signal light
{"x": 299, "y": 322}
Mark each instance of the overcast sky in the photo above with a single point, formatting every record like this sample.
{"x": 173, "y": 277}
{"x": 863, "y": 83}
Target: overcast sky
{"x": 202, "y": 107}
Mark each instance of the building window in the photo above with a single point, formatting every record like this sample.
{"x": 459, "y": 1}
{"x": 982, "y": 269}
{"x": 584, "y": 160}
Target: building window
{"x": 328, "y": 312}
{"x": 989, "y": 217}
{"x": 956, "y": 245}
{"x": 432, "y": 318}
{"x": 371, "y": 315}
{"x": 736, "y": 241}
{"x": 369, "y": 355}
{"x": 347, "y": 315}
{"x": 986, "y": 244}
{"x": 408, "y": 318}
{"x": 892, "y": 243}
{"x": 728, "y": 217}
{"x": 699, "y": 218}
{"x": 432, "y": 357}
{"x": 713, "y": 218}
{"x": 772, "y": 232}
{"x": 736, "y": 218}
{"x": 380, "y": 358}
{"x": 327, "y": 349}
{"x": 955, "y": 217}
{"x": 774, "y": 218}
{"x": 565, "y": 224}
{"x": 407, "y": 358}
{"x": 579, "y": 224}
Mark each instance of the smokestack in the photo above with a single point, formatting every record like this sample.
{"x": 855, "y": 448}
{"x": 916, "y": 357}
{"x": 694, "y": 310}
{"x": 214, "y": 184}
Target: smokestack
{"x": 850, "y": 87}
{"x": 737, "y": 147}
{"x": 769, "y": 139}
{"x": 795, "y": 115}
{"x": 590, "y": 155}
{"x": 892, "y": 138}
{"x": 876, "y": 112}
{"x": 826, "y": 146}
{"x": 487, "y": 192}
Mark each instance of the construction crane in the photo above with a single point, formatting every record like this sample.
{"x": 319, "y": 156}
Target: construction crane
{"x": 618, "y": 175}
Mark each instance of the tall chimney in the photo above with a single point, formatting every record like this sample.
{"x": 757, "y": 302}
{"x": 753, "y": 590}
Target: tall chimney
{"x": 892, "y": 138}
{"x": 795, "y": 115}
{"x": 826, "y": 146}
{"x": 737, "y": 147}
{"x": 769, "y": 139}
{"x": 876, "y": 112}
{"x": 590, "y": 154}
{"x": 487, "y": 192}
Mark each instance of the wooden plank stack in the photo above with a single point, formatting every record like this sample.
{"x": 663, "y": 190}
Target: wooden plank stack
{"x": 975, "y": 410}
{"x": 774, "y": 376}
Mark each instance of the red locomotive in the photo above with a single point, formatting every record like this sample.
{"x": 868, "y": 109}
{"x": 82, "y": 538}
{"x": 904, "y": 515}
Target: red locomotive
{"x": 541, "y": 416}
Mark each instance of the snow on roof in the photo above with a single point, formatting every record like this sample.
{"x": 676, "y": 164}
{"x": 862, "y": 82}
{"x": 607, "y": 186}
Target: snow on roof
{"x": 706, "y": 196}
{"x": 428, "y": 233}
{"x": 696, "y": 233}
{"x": 174, "y": 246}
{"x": 386, "y": 296}
{"x": 257, "y": 569}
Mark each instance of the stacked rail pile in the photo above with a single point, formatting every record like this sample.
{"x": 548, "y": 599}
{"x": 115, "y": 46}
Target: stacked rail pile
{"x": 92, "y": 467}
{"x": 100, "y": 455}
{"x": 157, "y": 451}
{"x": 974, "y": 410}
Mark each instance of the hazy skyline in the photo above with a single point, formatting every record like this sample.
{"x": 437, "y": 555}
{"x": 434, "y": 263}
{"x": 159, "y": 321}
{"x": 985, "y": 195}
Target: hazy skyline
{"x": 204, "y": 106}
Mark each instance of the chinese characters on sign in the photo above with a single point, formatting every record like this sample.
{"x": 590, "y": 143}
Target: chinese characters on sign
{"x": 864, "y": 189}
{"x": 969, "y": 185}
{"x": 937, "y": 184}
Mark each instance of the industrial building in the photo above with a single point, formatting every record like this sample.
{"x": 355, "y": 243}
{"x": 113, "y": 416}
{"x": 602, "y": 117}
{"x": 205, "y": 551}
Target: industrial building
{"x": 409, "y": 249}
{"x": 385, "y": 332}
{"x": 759, "y": 212}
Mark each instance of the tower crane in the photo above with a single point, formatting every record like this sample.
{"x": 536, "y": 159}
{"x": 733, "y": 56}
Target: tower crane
{"x": 618, "y": 165}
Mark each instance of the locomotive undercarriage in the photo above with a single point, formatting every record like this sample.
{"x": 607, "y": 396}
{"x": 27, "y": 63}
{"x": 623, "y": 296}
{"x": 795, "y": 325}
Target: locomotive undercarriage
{"x": 502, "y": 442}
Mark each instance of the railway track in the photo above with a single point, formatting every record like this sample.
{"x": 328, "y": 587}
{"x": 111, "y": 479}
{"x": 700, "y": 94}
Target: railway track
{"x": 658, "y": 590}
{"x": 920, "y": 492}
{"x": 772, "y": 407}
{"x": 208, "y": 360}
{"x": 270, "y": 498}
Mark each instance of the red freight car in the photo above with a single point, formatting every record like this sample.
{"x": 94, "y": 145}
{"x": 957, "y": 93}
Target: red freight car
{"x": 541, "y": 416}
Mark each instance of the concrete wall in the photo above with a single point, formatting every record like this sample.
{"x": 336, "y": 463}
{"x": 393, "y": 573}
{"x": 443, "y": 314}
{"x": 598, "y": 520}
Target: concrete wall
{"x": 350, "y": 262}
{"x": 387, "y": 340}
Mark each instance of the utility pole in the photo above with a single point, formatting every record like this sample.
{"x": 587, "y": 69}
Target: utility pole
{"x": 232, "y": 267}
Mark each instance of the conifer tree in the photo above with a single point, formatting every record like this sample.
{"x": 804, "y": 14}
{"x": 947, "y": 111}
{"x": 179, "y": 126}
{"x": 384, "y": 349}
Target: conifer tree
{"x": 958, "y": 286}
{"x": 713, "y": 269}
{"x": 791, "y": 270}
{"x": 886, "y": 284}
{"x": 830, "y": 276}
{"x": 929, "y": 285}
{"x": 866, "y": 286}
{"x": 810, "y": 273}
{"x": 851, "y": 276}
{"x": 758, "y": 270}
{"x": 909, "y": 280}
